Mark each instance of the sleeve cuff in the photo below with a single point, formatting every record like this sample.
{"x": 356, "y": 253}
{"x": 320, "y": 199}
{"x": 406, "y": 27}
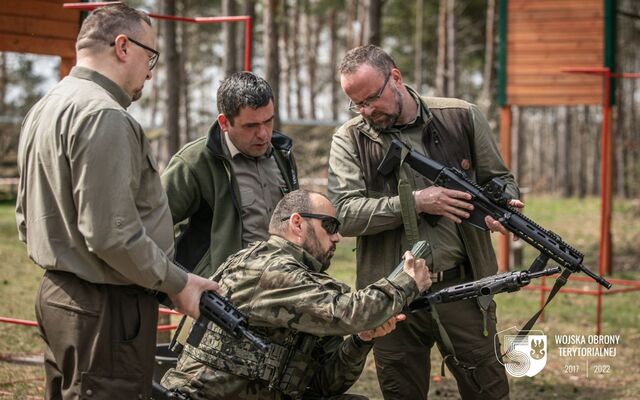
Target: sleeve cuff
{"x": 408, "y": 285}
{"x": 355, "y": 349}
{"x": 175, "y": 280}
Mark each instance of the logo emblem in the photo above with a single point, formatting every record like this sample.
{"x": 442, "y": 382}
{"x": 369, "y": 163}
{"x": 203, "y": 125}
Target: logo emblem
{"x": 523, "y": 354}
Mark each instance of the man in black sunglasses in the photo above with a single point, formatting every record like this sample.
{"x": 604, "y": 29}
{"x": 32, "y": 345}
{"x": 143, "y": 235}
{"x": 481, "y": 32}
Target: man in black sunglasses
{"x": 303, "y": 313}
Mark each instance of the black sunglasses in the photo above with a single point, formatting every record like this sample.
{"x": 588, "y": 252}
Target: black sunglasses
{"x": 329, "y": 223}
{"x": 153, "y": 58}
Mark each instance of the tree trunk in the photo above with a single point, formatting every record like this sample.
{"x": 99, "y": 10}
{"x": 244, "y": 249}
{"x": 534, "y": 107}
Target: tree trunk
{"x": 285, "y": 89}
{"x": 296, "y": 59}
{"x": 3, "y": 82}
{"x": 484, "y": 101}
{"x": 363, "y": 25}
{"x": 154, "y": 96}
{"x": 417, "y": 61}
{"x": 582, "y": 165}
{"x": 272, "y": 70}
{"x": 451, "y": 48}
{"x": 442, "y": 49}
{"x": 536, "y": 160}
{"x": 632, "y": 148}
{"x": 333, "y": 61}
{"x": 618, "y": 142}
{"x": 563, "y": 163}
{"x": 312, "y": 37}
{"x": 516, "y": 147}
{"x": 374, "y": 16}
{"x": 230, "y": 57}
{"x": 184, "y": 77}
{"x": 172, "y": 59}
{"x": 352, "y": 17}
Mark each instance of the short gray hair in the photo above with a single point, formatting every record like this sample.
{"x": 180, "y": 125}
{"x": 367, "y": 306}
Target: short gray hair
{"x": 298, "y": 201}
{"x": 371, "y": 55}
{"x": 102, "y": 26}
{"x": 242, "y": 89}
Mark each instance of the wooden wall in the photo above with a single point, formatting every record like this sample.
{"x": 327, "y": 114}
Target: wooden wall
{"x": 40, "y": 27}
{"x": 545, "y": 36}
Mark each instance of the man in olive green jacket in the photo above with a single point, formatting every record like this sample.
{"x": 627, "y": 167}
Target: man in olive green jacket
{"x": 283, "y": 289}
{"x": 224, "y": 187}
{"x": 456, "y": 134}
{"x": 93, "y": 214}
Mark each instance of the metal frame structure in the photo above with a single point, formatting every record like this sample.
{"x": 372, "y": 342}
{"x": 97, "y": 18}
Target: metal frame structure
{"x": 197, "y": 20}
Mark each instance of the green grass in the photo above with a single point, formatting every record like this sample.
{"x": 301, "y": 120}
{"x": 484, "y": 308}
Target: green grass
{"x": 577, "y": 221}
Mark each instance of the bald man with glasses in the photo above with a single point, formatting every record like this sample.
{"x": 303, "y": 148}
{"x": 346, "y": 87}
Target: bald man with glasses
{"x": 281, "y": 285}
{"x": 93, "y": 213}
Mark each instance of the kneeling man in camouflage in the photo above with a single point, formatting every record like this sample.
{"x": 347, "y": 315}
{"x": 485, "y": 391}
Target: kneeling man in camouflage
{"x": 281, "y": 285}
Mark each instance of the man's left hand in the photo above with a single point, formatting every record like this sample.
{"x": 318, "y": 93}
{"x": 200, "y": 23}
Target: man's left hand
{"x": 383, "y": 329}
{"x": 496, "y": 226}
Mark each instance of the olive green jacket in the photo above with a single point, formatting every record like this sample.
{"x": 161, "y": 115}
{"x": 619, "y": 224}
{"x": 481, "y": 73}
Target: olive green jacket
{"x": 204, "y": 195}
{"x": 289, "y": 301}
{"x": 90, "y": 200}
{"x": 455, "y": 134}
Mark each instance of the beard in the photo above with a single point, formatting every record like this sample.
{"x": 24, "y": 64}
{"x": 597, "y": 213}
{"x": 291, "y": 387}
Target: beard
{"x": 312, "y": 246}
{"x": 136, "y": 95}
{"x": 380, "y": 121}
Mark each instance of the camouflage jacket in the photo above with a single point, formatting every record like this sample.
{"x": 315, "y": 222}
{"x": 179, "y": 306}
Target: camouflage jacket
{"x": 303, "y": 313}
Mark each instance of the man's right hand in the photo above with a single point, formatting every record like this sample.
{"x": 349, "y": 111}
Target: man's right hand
{"x": 417, "y": 269}
{"x": 449, "y": 203}
{"x": 187, "y": 301}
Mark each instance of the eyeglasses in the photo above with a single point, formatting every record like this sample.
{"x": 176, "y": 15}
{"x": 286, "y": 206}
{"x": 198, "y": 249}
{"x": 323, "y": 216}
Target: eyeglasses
{"x": 153, "y": 58}
{"x": 356, "y": 107}
{"x": 329, "y": 223}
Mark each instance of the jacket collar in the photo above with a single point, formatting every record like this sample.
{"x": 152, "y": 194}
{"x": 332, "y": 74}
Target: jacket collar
{"x": 298, "y": 253}
{"x": 107, "y": 84}
{"x": 279, "y": 141}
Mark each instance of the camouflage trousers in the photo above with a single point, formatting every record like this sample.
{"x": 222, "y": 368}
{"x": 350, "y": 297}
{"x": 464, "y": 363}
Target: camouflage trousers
{"x": 204, "y": 383}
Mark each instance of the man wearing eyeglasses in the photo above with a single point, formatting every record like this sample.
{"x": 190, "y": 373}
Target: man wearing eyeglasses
{"x": 94, "y": 216}
{"x": 281, "y": 285}
{"x": 371, "y": 205}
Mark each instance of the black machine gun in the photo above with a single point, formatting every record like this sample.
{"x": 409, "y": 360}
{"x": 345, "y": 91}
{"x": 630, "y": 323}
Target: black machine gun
{"x": 492, "y": 200}
{"x": 507, "y": 282}
{"x": 217, "y": 309}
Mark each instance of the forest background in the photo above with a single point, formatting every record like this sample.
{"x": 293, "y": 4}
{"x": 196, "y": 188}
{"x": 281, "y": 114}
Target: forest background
{"x": 443, "y": 48}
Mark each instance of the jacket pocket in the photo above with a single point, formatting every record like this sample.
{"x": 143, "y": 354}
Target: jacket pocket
{"x": 102, "y": 387}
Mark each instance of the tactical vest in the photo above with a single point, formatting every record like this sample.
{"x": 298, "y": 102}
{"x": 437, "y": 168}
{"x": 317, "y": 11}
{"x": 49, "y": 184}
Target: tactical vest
{"x": 286, "y": 367}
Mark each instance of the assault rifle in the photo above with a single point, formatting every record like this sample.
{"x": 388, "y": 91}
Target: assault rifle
{"x": 491, "y": 200}
{"x": 217, "y": 309}
{"x": 507, "y": 282}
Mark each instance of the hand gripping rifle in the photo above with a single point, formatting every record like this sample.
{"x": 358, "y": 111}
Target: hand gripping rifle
{"x": 217, "y": 309}
{"x": 491, "y": 200}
